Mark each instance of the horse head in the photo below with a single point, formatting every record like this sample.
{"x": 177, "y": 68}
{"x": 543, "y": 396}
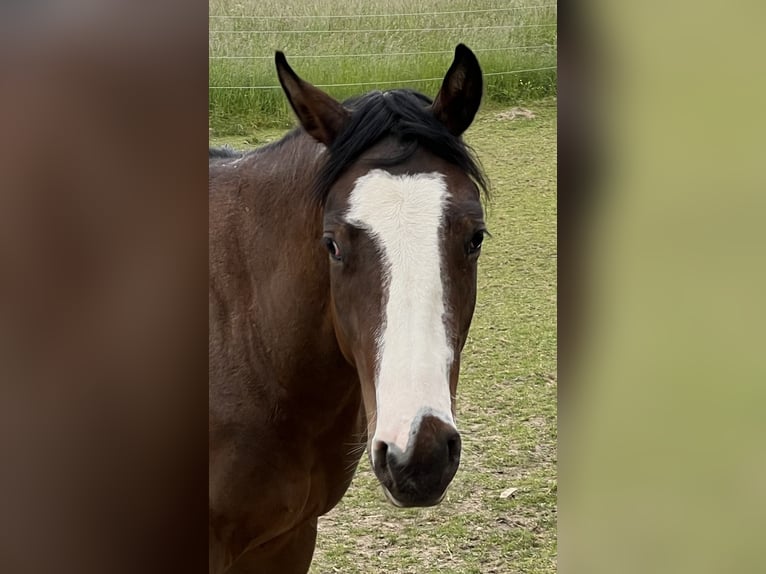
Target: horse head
{"x": 403, "y": 228}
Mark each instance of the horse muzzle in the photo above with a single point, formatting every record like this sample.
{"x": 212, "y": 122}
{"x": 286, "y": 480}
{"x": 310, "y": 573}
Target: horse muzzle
{"x": 419, "y": 476}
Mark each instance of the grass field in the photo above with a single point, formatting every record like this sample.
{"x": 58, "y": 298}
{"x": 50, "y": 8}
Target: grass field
{"x": 395, "y": 41}
{"x": 507, "y": 393}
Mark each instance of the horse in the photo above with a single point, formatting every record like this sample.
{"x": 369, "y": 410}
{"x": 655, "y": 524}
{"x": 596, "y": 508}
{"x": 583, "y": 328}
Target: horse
{"x": 342, "y": 285}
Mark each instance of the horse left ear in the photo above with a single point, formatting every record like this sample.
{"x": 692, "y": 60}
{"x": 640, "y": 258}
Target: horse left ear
{"x": 458, "y": 99}
{"x": 320, "y": 115}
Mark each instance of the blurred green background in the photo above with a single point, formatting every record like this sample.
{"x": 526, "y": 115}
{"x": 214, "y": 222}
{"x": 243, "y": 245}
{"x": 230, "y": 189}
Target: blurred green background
{"x": 662, "y": 458}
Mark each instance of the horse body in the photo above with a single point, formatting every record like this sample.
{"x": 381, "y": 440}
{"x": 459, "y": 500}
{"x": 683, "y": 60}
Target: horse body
{"x": 281, "y": 418}
{"x": 316, "y": 353}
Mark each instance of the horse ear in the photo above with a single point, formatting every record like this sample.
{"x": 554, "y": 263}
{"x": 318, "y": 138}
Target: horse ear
{"x": 458, "y": 99}
{"x": 320, "y": 115}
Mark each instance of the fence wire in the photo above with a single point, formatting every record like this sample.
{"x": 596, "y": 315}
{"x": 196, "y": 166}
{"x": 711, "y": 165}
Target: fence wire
{"x": 382, "y": 55}
{"x": 388, "y": 30}
{"x": 385, "y": 82}
{"x": 342, "y": 16}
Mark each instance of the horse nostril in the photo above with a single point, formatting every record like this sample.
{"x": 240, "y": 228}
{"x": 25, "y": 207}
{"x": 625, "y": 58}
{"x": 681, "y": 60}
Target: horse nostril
{"x": 381, "y": 454}
{"x": 453, "y": 448}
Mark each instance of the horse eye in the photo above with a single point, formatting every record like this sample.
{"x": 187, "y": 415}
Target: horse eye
{"x": 332, "y": 248}
{"x": 475, "y": 245}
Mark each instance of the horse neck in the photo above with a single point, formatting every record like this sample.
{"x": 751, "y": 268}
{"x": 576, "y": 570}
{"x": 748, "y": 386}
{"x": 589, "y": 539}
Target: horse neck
{"x": 317, "y": 370}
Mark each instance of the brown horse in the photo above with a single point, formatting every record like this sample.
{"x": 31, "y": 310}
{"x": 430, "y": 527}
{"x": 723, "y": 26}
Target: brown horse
{"x": 342, "y": 286}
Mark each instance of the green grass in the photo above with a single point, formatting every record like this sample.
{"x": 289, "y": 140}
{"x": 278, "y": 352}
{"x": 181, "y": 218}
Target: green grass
{"x": 507, "y": 393}
{"x": 531, "y": 45}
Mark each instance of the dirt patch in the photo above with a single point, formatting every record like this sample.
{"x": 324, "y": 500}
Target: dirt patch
{"x": 515, "y": 114}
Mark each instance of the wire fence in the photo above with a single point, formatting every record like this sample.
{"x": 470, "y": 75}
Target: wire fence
{"x": 517, "y": 47}
{"x": 407, "y": 14}
{"x": 313, "y": 17}
{"x": 384, "y": 54}
{"x": 381, "y": 83}
{"x": 386, "y": 30}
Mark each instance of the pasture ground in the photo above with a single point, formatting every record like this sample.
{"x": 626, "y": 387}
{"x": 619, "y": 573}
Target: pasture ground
{"x": 507, "y": 393}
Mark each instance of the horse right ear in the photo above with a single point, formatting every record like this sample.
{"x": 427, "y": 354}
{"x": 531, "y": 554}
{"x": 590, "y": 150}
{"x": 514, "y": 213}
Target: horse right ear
{"x": 321, "y": 116}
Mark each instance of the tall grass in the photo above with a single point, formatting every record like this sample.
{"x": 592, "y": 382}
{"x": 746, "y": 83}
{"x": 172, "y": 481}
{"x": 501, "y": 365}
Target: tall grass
{"x": 326, "y": 49}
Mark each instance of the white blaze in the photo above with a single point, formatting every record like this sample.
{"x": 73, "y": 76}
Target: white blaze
{"x": 404, "y": 214}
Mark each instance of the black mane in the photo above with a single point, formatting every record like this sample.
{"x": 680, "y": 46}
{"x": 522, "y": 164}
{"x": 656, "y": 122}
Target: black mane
{"x": 404, "y": 115}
